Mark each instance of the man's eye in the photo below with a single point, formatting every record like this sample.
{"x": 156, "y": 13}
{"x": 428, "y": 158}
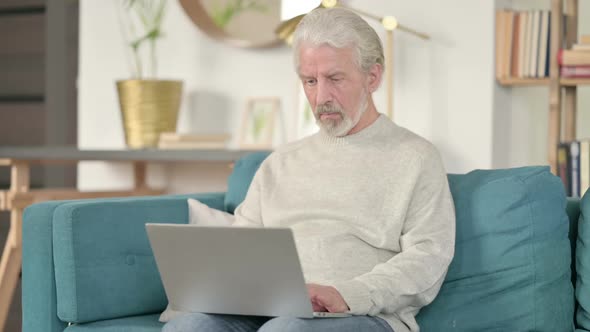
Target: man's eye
{"x": 310, "y": 82}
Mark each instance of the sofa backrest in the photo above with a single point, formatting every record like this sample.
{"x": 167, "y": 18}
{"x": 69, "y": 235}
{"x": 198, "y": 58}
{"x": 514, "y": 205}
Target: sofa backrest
{"x": 240, "y": 179}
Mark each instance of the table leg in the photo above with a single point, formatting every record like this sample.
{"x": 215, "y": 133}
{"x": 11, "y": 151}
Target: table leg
{"x": 10, "y": 265}
{"x": 140, "y": 174}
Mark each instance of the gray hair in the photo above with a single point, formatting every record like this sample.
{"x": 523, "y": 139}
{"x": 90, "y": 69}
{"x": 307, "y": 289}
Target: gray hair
{"x": 340, "y": 28}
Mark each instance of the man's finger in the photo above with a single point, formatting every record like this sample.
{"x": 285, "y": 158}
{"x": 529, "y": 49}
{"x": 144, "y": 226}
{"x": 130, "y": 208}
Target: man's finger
{"x": 337, "y": 308}
{"x": 318, "y": 308}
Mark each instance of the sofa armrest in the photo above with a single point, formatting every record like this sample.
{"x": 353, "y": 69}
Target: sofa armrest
{"x": 39, "y": 305}
{"x": 90, "y": 259}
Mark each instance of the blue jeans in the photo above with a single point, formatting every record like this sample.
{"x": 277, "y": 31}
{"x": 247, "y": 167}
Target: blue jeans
{"x": 198, "y": 322}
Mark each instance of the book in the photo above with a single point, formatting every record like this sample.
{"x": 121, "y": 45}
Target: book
{"x": 575, "y": 168}
{"x": 499, "y": 34}
{"x": 191, "y": 145}
{"x": 508, "y": 35}
{"x": 504, "y": 36}
{"x": 174, "y": 137}
{"x": 535, "y": 37}
{"x": 548, "y": 54}
{"x": 563, "y": 166}
{"x": 528, "y": 44}
{"x": 573, "y": 58}
{"x": 543, "y": 44}
{"x": 575, "y": 71}
{"x": 521, "y": 43}
{"x": 516, "y": 36}
{"x": 172, "y": 140}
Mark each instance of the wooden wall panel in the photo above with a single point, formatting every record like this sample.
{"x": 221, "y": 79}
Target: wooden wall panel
{"x": 22, "y": 75}
{"x": 22, "y": 124}
{"x": 30, "y": 38}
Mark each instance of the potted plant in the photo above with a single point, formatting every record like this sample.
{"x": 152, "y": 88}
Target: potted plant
{"x": 149, "y": 106}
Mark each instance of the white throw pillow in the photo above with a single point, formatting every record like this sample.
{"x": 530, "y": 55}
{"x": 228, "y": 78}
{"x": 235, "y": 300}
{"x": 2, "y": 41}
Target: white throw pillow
{"x": 200, "y": 214}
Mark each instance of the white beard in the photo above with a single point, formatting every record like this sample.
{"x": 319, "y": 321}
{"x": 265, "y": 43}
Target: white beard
{"x": 342, "y": 126}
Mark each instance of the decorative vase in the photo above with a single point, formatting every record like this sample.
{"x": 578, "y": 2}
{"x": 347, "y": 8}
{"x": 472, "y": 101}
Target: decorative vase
{"x": 148, "y": 108}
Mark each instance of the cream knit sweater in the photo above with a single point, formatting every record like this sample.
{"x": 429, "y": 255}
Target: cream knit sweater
{"x": 371, "y": 213}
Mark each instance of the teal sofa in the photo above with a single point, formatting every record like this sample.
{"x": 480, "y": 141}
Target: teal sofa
{"x": 88, "y": 266}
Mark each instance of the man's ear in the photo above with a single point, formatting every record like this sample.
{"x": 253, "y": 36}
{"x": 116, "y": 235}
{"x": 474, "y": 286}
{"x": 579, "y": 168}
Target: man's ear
{"x": 374, "y": 76}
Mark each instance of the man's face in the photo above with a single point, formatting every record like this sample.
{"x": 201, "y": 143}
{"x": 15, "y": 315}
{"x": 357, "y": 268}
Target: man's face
{"x": 336, "y": 88}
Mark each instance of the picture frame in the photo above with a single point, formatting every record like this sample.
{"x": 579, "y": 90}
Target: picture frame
{"x": 259, "y": 122}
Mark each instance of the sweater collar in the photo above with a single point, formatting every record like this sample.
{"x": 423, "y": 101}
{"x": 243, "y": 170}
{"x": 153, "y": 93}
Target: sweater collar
{"x": 366, "y": 134}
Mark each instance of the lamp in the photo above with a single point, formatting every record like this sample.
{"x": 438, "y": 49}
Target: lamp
{"x": 286, "y": 29}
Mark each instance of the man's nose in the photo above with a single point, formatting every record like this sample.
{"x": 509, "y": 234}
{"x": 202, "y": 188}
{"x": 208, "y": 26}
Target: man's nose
{"x": 323, "y": 94}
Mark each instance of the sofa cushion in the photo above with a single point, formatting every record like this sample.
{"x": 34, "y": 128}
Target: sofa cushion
{"x": 511, "y": 269}
{"x": 203, "y": 215}
{"x": 241, "y": 177}
{"x": 573, "y": 213}
{"x": 147, "y": 323}
{"x": 583, "y": 265}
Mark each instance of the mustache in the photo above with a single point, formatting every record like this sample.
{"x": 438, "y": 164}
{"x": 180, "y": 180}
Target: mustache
{"x": 328, "y": 108}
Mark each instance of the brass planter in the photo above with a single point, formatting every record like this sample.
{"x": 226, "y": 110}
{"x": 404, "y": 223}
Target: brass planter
{"x": 148, "y": 108}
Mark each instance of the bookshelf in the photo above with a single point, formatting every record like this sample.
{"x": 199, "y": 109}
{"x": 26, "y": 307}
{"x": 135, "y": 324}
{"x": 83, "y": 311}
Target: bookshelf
{"x": 562, "y": 91}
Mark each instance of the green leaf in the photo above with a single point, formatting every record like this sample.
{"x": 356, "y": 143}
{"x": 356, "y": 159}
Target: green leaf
{"x": 145, "y": 19}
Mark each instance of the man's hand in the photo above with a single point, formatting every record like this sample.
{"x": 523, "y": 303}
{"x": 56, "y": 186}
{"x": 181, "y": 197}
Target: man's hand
{"x": 326, "y": 298}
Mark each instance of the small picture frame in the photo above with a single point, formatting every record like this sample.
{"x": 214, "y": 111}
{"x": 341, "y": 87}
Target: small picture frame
{"x": 306, "y": 123}
{"x": 258, "y": 123}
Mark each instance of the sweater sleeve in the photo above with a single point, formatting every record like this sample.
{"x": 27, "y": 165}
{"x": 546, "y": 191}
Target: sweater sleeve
{"x": 413, "y": 277}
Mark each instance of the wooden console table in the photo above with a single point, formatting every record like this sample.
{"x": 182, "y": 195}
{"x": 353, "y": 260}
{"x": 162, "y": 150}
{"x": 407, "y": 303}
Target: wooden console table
{"x": 19, "y": 195}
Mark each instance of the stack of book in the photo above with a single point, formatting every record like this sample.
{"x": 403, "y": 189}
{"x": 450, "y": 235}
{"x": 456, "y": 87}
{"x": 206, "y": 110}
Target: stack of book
{"x": 173, "y": 141}
{"x": 575, "y": 63}
{"x": 523, "y": 43}
{"x": 573, "y": 166}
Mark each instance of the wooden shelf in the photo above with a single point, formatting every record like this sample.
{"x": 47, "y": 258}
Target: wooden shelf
{"x": 515, "y": 81}
{"x": 512, "y": 81}
{"x": 574, "y": 81}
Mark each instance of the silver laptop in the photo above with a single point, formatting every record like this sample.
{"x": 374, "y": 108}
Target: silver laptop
{"x": 231, "y": 270}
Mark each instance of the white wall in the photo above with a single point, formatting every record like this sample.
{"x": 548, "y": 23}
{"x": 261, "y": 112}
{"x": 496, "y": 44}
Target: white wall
{"x": 444, "y": 88}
